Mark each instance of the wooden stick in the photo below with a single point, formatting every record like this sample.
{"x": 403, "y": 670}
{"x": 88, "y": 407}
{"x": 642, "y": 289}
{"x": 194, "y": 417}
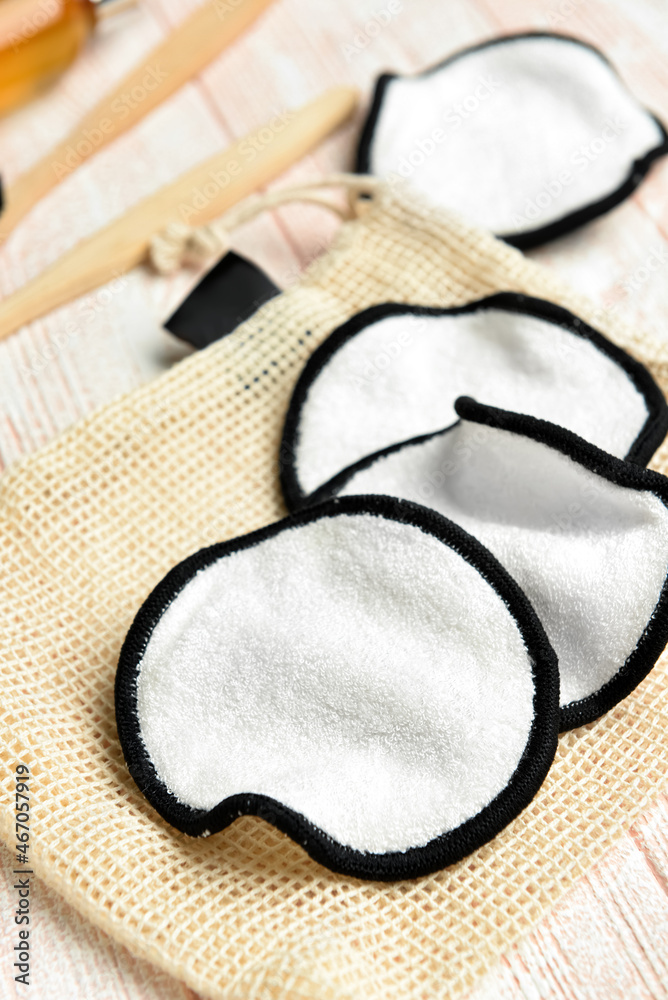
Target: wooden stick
{"x": 166, "y": 68}
{"x": 196, "y": 198}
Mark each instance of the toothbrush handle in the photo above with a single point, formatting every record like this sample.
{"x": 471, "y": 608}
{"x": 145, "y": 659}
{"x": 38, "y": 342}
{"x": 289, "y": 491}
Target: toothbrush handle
{"x": 197, "y": 197}
{"x": 166, "y": 68}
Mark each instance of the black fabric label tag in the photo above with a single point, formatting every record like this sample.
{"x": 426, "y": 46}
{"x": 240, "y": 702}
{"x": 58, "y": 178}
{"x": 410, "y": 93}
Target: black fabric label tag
{"x": 224, "y": 298}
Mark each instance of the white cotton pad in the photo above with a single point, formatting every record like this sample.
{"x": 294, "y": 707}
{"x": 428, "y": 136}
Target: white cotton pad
{"x": 364, "y": 676}
{"x": 393, "y": 372}
{"x": 529, "y": 135}
{"x": 584, "y": 534}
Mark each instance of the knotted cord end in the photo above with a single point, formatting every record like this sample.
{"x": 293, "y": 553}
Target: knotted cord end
{"x": 178, "y": 244}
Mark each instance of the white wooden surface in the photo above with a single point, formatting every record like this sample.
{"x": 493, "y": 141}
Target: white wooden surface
{"x": 605, "y": 939}
{"x": 608, "y": 937}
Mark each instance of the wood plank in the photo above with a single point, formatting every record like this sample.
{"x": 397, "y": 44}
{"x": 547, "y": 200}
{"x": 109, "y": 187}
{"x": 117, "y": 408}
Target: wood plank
{"x": 72, "y": 958}
{"x": 605, "y": 938}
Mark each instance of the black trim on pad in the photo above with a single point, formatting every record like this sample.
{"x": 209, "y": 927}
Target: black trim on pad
{"x": 443, "y": 850}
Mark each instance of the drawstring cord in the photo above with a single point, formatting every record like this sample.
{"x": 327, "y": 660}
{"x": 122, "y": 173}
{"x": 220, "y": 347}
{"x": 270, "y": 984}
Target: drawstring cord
{"x": 180, "y": 244}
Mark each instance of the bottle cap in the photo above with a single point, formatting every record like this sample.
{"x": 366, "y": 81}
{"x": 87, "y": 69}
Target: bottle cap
{"x": 104, "y": 8}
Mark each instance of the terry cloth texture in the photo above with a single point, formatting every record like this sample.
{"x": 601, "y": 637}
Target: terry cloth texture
{"x": 529, "y": 135}
{"x": 393, "y": 373}
{"x": 364, "y": 676}
{"x": 93, "y": 522}
{"x": 584, "y": 534}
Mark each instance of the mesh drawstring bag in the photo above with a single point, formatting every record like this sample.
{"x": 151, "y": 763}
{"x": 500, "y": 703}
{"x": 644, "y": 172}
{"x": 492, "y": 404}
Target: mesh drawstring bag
{"x": 91, "y": 523}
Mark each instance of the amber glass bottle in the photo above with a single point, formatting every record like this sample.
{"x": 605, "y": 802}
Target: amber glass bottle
{"x": 39, "y": 39}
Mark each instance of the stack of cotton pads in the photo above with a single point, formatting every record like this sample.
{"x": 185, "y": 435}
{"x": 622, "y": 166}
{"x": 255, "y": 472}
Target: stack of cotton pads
{"x": 553, "y": 489}
{"x": 476, "y": 556}
{"x": 377, "y": 674}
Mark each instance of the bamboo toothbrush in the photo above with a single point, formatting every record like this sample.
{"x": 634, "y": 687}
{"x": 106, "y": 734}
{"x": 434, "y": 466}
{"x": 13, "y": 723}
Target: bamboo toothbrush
{"x": 197, "y": 197}
{"x": 180, "y": 56}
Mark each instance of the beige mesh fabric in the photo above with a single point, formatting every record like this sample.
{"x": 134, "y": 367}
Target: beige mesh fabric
{"x": 92, "y": 522}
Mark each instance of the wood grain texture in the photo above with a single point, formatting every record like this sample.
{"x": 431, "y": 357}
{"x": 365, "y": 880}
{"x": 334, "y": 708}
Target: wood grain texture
{"x": 178, "y": 57}
{"x": 607, "y": 938}
{"x": 230, "y": 176}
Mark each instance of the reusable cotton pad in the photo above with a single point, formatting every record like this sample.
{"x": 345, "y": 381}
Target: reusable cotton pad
{"x": 584, "y": 534}
{"x": 393, "y": 372}
{"x": 365, "y": 676}
{"x": 529, "y": 135}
